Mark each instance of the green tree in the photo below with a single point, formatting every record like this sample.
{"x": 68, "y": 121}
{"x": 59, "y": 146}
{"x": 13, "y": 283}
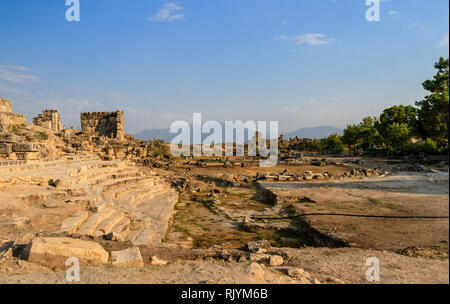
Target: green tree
{"x": 333, "y": 144}
{"x": 399, "y": 136}
{"x": 364, "y": 136}
{"x": 397, "y": 119}
{"x": 370, "y": 135}
{"x": 433, "y": 113}
{"x": 352, "y": 136}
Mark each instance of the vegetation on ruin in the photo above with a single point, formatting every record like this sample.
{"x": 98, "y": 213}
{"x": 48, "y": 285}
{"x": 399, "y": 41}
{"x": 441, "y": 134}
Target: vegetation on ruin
{"x": 159, "y": 149}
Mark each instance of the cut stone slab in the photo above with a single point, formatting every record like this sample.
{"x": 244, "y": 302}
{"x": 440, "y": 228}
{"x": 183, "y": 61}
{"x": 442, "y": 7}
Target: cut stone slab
{"x": 26, "y": 147}
{"x": 54, "y": 252}
{"x": 71, "y": 224}
{"x": 128, "y": 257}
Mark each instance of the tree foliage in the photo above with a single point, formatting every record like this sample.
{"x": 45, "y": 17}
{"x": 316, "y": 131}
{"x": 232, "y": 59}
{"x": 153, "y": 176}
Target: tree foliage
{"x": 433, "y": 110}
{"x": 401, "y": 129}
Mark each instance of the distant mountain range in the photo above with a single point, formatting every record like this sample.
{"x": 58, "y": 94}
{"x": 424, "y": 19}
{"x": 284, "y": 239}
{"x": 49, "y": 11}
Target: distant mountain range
{"x": 315, "y": 132}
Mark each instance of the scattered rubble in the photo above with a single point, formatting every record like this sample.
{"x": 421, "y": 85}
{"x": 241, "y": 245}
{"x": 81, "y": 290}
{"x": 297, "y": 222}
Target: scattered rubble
{"x": 157, "y": 262}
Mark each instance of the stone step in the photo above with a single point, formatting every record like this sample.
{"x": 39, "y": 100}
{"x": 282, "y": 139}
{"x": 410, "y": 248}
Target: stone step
{"x": 105, "y": 226}
{"x": 145, "y": 236}
{"x": 122, "y": 227}
{"x": 89, "y": 226}
{"x": 134, "y": 198}
{"x": 163, "y": 190}
{"x": 157, "y": 205}
{"x": 118, "y": 193}
{"x": 72, "y": 223}
{"x": 159, "y": 210}
{"x": 132, "y": 235}
{"x": 150, "y": 183}
{"x": 98, "y": 173}
{"x": 117, "y": 179}
{"x": 124, "y": 181}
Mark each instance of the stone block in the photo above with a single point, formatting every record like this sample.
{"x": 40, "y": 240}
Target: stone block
{"x": 9, "y": 138}
{"x": 128, "y": 257}
{"x": 54, "y": 252}
{"x": 5, "y": 148}
{"x": 26, "y": 147}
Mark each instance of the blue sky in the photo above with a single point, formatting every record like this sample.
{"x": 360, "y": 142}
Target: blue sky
{"x": 302, "y": 62}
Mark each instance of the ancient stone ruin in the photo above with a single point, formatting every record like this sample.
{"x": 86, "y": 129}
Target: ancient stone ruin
{"x": 109, "y": 124}
{"x": 49, "y": 119}
{"x": 9, "y": 119}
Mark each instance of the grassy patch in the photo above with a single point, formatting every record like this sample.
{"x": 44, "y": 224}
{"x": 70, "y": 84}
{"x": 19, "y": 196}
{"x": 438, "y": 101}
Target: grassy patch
{"x": 281, "y": 238}
{"x": 380, "y": 204}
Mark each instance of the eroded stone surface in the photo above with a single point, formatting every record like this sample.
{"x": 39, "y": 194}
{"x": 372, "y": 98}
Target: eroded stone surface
{"x": 128, "y": 257}
{"x": 53, "y": 252}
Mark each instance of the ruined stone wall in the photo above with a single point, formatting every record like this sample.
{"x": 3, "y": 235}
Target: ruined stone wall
{"x": 109, "y": 124}
{"x": 14, "y": 147}
{"x": 12, "y": 119}
{"x": 49, "y": 119}
{"x": 5, "y": 105}
{"x": 8, "y": 118}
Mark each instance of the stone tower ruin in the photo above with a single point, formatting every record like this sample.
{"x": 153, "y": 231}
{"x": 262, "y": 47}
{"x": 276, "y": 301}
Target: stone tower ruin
{"x": 49, "y": 119}
{"x": 109, "y": 124}
{"x": 9, "y": 119}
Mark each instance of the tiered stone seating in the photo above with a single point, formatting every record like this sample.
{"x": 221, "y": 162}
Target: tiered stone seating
{"x": 118, "y": 197}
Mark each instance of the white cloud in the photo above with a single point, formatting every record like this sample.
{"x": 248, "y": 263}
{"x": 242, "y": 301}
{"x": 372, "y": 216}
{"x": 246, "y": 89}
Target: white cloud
{"x": 6, "y": 89}
{"x": 310, "y": 39}
{"x": 168, "y": 12}
{"x": 392, "y": 12}
{"x": 443, "y": 42}
{"x": 82, "y": 104}
{"x": 15, "y": 74}
{"x": 15, "y": 67}
{"x": 284, "y": 22}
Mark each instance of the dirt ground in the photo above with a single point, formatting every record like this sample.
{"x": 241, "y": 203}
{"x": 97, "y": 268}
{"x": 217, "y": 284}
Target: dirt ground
{"x": 328, "y": 266}
{"x": 398, "y": 195}
{"x": 332, "y": 249}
